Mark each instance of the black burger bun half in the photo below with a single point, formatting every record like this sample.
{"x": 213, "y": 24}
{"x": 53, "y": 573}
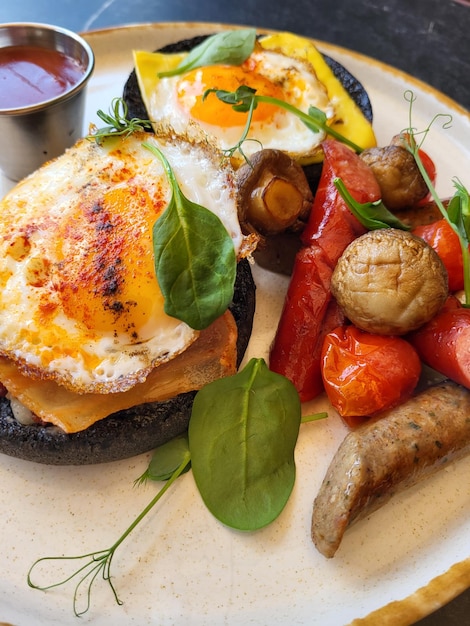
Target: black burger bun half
{"x": 129, "y": 432}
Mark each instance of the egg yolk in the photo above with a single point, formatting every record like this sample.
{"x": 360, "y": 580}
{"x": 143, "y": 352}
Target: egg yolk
{"x": 107, "y": 278}
{"x": 211, "y": 110}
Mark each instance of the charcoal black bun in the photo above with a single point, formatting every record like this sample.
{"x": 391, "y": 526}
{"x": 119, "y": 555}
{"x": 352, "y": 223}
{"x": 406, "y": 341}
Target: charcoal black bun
{"x": 126, "y": 433}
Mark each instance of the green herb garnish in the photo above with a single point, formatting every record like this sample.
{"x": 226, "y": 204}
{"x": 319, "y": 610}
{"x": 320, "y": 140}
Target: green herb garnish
{"x": 242, "y": 434}
{"x": 458, "y": 209}
{"x": 372, "y": 215}
{"x": 245, "y": 100}
{"x": 195, "y": 259}
{"x": 314, "y": 417}
{"x": 97, "y": 564}
{"x": 228, "y": 47}
{"x": 118, "y": 123}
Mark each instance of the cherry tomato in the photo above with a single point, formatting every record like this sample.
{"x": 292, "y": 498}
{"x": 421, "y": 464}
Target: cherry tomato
{"x": 444, "y": 342}
{"x": 444, "y": 240}
{"x": 365, "y": 373}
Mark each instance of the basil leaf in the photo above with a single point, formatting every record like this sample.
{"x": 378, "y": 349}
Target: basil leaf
{"x": 242, "y": 435}
{"x": 166, "y": 459}
{"x": 231, "y": 47}
{"x": 372, "y": 215}
{"x": 195, "y": 259}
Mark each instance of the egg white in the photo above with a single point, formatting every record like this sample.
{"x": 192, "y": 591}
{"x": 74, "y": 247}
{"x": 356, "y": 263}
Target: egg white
{"x": 40, "y": 241}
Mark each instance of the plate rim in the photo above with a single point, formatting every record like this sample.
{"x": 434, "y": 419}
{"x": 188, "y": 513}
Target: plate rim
{"x": 445, "y": 587}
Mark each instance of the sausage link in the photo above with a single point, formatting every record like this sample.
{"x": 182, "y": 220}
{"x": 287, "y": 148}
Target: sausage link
{"x": 387, "y": 455}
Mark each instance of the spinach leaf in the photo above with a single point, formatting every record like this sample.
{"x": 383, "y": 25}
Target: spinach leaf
{"x": 195, "y": 259}
{"x": 242, "y": 436}
{"x": 228, "y": 47}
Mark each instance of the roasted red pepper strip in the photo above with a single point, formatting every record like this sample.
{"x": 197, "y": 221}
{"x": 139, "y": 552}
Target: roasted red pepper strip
{"x": 296, "y": 348}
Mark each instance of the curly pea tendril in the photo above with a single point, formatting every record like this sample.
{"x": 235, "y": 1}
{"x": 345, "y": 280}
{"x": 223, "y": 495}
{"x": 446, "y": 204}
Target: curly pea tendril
{"x": 96, "y": 563}
{"x": 458, "y": 209}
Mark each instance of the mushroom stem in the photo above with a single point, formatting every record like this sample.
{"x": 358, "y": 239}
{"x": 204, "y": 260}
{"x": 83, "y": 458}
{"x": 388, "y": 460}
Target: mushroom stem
{"x": 276, "y": 206}
{"x": 274, "y": 193}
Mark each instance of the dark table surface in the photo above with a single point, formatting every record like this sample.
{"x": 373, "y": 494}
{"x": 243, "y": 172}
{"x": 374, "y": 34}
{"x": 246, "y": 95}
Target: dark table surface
{"x": 426, "y": 38}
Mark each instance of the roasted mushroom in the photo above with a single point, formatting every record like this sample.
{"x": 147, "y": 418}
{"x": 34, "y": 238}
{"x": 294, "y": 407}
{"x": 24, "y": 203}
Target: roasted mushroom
{"x": 275, "y": 202}
{"x": 274, "y": 193}
{"x": 389, "y": 282}
{"x": 399, "y": 178}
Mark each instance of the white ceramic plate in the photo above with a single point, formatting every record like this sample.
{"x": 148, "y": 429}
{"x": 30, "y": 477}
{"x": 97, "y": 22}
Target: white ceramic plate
{"x": 180, "y": 566}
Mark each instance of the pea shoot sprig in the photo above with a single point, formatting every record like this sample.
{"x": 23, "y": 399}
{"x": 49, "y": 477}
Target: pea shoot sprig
{"x": 245, "y": 100}
{"x": 457, "y": 213}
{"x": 97, "y": 563}
{"x": 118, "y": 123}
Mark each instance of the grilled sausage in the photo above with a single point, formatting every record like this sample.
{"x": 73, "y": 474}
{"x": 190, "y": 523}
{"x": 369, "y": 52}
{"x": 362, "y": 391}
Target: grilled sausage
{"x": 387, "y": 455}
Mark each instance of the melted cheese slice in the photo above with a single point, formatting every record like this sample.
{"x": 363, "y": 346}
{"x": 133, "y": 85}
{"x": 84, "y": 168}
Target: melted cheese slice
{"x": 213, "y": 355}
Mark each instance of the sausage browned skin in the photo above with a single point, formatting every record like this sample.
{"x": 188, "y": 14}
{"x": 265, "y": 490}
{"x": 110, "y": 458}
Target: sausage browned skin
{"x": 387, "y": 455}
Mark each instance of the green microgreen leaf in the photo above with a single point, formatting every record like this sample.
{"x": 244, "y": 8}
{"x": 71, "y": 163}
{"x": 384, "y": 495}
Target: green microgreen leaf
{"x": 231, "y": 47}
{"x": 166, "y": 459}
{"x": 242, "y": 101}
{"x": 117, "y": 122}
{"x": 372, "y": 215}
{"x": 196, "y": 272}
{"x": 242, "y": 435}
{"x": 457, "y": 213}
{"x": 95, "y": 563}
{"x": 245, "y": 100}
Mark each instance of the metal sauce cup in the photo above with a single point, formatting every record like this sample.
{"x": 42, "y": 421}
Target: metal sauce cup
{"x": 31, "y": 135}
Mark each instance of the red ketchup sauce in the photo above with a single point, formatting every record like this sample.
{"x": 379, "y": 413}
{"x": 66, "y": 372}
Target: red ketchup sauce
{"x": 30, "y": 75}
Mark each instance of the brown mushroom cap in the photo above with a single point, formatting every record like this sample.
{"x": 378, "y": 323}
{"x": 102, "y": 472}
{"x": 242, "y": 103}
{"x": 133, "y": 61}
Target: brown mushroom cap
{"x": 274, "y": 193}
{"x": 389, "y": 282}
{"x": 401, "y": 183}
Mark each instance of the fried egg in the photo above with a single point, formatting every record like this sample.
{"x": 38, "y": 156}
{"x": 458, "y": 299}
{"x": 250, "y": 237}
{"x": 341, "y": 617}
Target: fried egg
{"x": 79, "y": 299}
{"x": 177, "y": 101}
